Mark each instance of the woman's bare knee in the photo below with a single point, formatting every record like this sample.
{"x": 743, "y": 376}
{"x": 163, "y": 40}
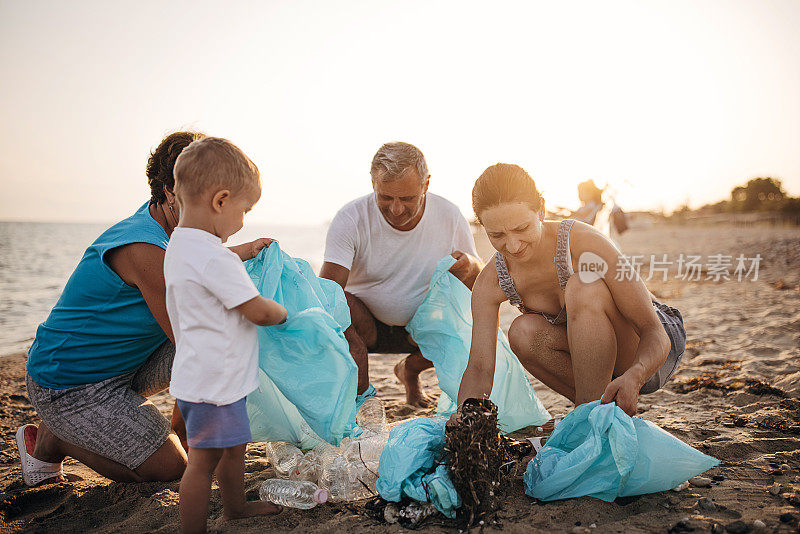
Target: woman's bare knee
{"x": 529, "y": 335}
{"x": 594, "y": 297}
{"x": 594, "y": 300}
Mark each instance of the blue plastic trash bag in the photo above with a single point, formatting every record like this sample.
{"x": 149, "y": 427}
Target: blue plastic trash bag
{"x": 367, "y": 394}
{"x": 600, "y": 451}
{"x": 436, "y": 487}
{"x": 442, "y": 327}
{"x": 306, "y": 371}
{"x": 411, "y": 464}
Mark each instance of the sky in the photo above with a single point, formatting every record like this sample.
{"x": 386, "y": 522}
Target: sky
{"x": 667, "y": 102}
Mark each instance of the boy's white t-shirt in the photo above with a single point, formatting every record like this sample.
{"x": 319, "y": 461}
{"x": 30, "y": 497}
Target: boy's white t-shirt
{"x": 216, "y": 347}
{"x": 391, "y": 269}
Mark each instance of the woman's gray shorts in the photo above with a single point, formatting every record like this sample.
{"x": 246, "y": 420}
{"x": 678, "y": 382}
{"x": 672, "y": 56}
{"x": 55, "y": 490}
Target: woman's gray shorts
{"x": 672, "y": 321}
{"x": 111, "y": 418}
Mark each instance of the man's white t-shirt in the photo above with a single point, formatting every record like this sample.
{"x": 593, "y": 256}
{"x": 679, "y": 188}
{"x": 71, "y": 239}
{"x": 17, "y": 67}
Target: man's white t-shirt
{"x": 216, "y": 347}
{"x": 390, "y": 269}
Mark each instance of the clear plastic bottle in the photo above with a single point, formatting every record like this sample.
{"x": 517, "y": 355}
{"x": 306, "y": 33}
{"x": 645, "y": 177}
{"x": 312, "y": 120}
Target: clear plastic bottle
{"x": 346, "y": 481}
{"x": 292, "y": 493}
{"x": 326, "y": 450}
{"x": 283, "y": 456}
{"x": 334, "y": 474}
{"x": 307, "y": 468}
{"x": 363, "y": 476}
{"x": 372, "y": 416}
{"x": 365, "y": 448}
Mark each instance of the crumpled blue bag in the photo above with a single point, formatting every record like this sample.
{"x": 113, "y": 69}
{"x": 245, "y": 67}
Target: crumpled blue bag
{"x": 442, "y": 327}
{"x": 305, "y": 368}
{"x": 600, "y": 451}
{"x": 411, "y": 465}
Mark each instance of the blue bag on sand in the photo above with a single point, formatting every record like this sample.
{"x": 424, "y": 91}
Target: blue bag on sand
{"x": 435, "y": 487}
{"x": 442, "y": 327}
{"x": 600, "y": 451}
{"x": 305, "y": 368}
{"x": 411, "y": 465}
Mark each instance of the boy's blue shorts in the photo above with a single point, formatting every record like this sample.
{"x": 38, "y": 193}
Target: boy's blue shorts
{"x": 209, "y": 426}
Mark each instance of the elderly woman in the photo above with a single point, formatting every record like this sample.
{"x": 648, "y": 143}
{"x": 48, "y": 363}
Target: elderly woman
{"x": 107, "y": 345}
{"x": 585, "y": 333}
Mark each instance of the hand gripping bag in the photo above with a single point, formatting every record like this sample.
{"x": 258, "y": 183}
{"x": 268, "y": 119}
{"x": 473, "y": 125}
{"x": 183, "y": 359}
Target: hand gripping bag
{"x": 600, "y": 451}
{"x": 305, "y": 368}
{"x": 411, "y": 464}
{"x": 442, "y": 327}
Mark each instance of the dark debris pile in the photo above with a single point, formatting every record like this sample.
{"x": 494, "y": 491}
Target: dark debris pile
{"x": 714, "y": 381}
{"x": 480, "y": 460}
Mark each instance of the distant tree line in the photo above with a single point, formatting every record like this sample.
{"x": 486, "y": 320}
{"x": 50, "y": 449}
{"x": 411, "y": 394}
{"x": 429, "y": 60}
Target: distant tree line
{"x": 757, "y": 195}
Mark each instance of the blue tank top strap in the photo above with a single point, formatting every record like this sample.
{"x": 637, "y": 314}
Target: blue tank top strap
{"x": 563, "y": 257}
{"x": 506, "y": 283}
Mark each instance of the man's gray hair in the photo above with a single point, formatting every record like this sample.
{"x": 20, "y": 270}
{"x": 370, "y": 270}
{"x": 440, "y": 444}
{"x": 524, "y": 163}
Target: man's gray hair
{"x": 392, "y": 160}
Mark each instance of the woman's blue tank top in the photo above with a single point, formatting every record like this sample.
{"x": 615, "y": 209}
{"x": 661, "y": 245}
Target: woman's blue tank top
{"x": 100, "y": 327}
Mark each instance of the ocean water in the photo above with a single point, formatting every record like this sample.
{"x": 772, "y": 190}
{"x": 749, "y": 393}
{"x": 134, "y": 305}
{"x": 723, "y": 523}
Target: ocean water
{"x": 36, "y": 259}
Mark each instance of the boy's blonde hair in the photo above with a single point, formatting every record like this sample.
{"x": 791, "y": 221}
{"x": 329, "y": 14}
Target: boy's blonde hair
{"x": 211, "y": 164}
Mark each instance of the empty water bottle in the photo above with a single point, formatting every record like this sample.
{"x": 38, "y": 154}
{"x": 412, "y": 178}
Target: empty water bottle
{"x": 333, "y": 474}
{"x": 344, "y": 480}
{"x": 307, "y": 468}
{"x": 363, "y": 475}
{"x": 292, "y": 493}
{"x": 283, "y": 456}
{"x": 372, "y": 416}
{"x": 365, "y": 448}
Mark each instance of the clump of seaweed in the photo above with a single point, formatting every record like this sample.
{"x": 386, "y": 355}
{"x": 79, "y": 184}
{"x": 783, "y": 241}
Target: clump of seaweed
{"x": 780, "y": 284}
{"x": 757, "y": 387}
{"x": 783, "y": 418}
{"x": 793, "y": 406}
{"x": 705, "y": 380}
{"x": 774, "y": 423}
{"x": 714, "y": 381}
{"x": 480, "y": 461}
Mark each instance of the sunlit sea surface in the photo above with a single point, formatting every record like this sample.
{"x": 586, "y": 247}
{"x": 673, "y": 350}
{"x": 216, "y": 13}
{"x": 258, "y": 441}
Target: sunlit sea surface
{"x": 36, "y": 260}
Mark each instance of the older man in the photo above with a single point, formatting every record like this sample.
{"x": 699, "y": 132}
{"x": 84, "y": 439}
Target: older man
{"x": 382, "y": 248}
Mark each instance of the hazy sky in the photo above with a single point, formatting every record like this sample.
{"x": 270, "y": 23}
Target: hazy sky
{"x": 666, "y": 101}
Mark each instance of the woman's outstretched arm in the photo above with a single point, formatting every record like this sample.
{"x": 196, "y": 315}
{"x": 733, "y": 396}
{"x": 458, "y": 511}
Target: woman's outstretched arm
{"x": 479, "y": 376}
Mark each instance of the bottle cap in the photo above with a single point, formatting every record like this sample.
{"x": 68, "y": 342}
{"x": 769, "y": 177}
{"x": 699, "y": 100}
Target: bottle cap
{"x": 321, "y": 496}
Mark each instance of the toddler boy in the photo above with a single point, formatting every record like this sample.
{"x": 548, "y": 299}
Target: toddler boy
{"x": 214, "y": 308}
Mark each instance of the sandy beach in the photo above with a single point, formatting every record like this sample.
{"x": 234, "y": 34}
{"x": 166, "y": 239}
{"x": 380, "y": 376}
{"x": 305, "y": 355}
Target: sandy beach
{"x": 735, "y": 397}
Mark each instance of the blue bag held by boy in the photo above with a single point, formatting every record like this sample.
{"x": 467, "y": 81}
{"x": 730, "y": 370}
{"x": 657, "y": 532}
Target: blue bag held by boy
{"x": 600, "y": 451}
{"x": 442, "y": 327}
{"x": 411, "y": 464}
{"x": 305, "y": 368}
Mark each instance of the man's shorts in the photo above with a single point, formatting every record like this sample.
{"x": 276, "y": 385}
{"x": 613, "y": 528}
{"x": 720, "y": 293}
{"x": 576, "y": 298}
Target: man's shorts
{"x": 391, "y": 340}
{"x": 111, "y": 418}
{"x": 209, "y": 426}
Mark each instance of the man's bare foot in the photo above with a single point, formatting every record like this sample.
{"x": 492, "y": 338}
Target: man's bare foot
{"x": 410, "y": 380}
{"x": 253, "y": 508}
